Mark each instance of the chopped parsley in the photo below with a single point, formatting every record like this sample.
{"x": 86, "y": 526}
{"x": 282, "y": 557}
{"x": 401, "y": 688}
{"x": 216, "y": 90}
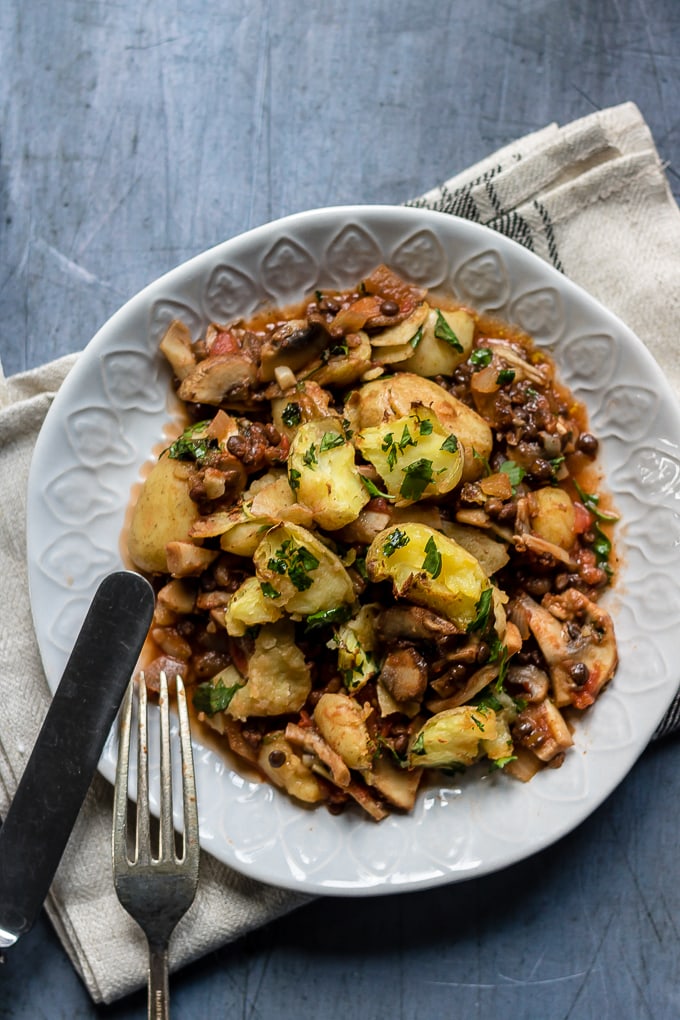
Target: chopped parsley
{"x": 330, "y": 440}
{"x": 393, "y": 447}
{"x": 514, "y": 471}
{"x": 481, "y": 357}
{"x": 191, "y": 445}
{"x": 416, "y": 338}
{"x": 443, "y": 331}
{"x": 269, "y": 591}
{"x": 488, "y": 700}
{"x": 417, "y": 477}
{"x": 425, "y": 426}
{"x": 556, "y": 463}
{"x": 602, "y": 548}
{"x": 500, "y": 763}
{"x": 296, "y": 561}
{"x": 335, "y": 351}
{"x": 433, "y": 558}
{"x": 499, "y": 654}
{"x": 590, "y": 501}
{"x": 418, "y": 746}
{"x": 325, "y": 617}
{"x": 291, "y": 415}
{"x": 309, "y": 457}
{"x": 601, "y": 545}
{"x": 373, "y": 488}
{"x": 294, "y": 479}
{"x": 506, "y": 375}
{"x": 211, "y": 698}
{"x": 450, "y": 444}
{"x": 397, "y": 539}
{"x": 483, "y": 607}
{"x": 389, "y": 447}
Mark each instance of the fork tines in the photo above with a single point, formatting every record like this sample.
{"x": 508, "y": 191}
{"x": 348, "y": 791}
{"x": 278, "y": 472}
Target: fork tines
{"x": 156, "y": 890}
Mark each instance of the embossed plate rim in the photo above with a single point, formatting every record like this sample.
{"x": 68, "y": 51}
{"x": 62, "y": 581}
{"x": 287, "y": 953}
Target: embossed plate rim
{"x": 460, "y": 830}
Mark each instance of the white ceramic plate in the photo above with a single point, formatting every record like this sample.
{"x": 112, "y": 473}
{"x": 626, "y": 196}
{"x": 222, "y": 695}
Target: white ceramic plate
{"x": 110, "y": 414}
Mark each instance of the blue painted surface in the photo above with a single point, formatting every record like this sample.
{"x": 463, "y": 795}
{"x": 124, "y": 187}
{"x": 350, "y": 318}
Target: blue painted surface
{"x": 132, "y": 137}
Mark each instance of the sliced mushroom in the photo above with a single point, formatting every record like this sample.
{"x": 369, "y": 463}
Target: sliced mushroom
{"x": 398, "y": 786}
{"x": 542, "y": 729}
{"x": 480, "y": 679}
{"x": 176, "y": 346}
{"x": 528, "y": 682}
{"x": 294, "y": 343}
{"x": 188, "y": 560}
{"x": 577, "y": 640}
{"x": 312, "y": 741}
{"x": 367, "y": 801}
{"x": 404, "y": 674}
{"x": 413, "y": 623}
{"x": 222, "y": 380}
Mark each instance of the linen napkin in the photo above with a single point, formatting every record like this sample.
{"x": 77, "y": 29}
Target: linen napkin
{"x": 591, "y": 199}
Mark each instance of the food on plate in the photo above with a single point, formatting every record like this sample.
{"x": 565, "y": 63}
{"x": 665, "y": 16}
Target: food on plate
{"x": 378, "y": 544}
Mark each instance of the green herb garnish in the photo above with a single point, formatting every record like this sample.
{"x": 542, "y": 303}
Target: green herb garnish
{"x": 294, "y": 479}
{"x": 417, "y": 477}
{"x": 269, "y": 591}
{"x": 506, "y": 375}
{"x": 602, "y": 548}
{"x": 330, "y": 440}
{"x": 309, "y": 457}
{"x": 325, "y": 617}
{"x": 433, "y": 558}
{"x": 590, "y": 501}
{"x": 291, "y": 415}
{"x": 296, "y": 561}
{"x": 373, "y": 488}
{"x": 191, "y": 445}
{"x": 211, "y": 698}
{"x": 483, "y": 609}
{"x": 481, "y": 357}
{"x": 514, "y": 471}
{"x": 500, "y": 655}
{"x": 416, "y": 338}
{"x": 418, "y": 746}
{"x": 397, "y": 539}
{"x": 389, "y": 447}
{"x": 450, "y": 444}
{"x": 443, "y": 331}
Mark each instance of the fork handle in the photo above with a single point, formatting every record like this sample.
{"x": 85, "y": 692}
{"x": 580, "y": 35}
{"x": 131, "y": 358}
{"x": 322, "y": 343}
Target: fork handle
{"x": 159, "y": 1000}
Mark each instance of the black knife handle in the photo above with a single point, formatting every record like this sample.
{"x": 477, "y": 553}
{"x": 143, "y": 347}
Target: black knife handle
{"x": 69, "y": 745}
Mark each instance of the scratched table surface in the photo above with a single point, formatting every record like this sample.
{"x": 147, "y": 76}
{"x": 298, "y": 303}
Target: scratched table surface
{"x": 133, "y": 137}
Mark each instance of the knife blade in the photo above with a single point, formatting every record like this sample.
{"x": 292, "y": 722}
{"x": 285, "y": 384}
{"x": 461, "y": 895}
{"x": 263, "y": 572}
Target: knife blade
{"x": 70, "y": 742}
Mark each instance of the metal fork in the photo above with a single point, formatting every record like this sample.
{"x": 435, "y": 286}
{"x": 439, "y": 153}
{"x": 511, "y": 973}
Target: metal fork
{"x": 155, "y": 891}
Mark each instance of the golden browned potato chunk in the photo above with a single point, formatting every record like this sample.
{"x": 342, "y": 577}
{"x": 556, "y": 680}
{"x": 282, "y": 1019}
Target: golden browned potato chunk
{"x": 323, "y": 475}
{"x": 342, "y": 723}
{"x": 164, "y": 513}
{"x": 453, "y": 737}
{"x": 383, "y": 400}
{"x": 429, "y": 569}
{"x": 415, "y": 456}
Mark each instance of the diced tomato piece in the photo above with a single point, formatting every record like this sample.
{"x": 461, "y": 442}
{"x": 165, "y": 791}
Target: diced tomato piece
{"x": 224, "y": 343}
{"x": 583, "y": 519}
